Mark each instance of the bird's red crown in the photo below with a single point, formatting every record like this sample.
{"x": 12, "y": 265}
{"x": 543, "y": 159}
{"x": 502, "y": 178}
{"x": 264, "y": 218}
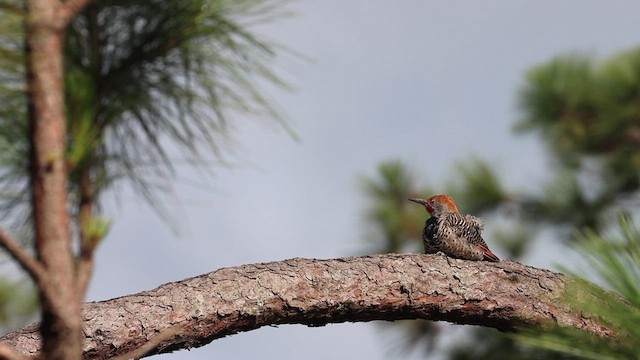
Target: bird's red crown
{"x": 445, "y": 200}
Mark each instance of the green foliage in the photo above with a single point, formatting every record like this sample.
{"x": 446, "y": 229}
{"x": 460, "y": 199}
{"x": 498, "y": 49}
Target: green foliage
{"x": 141, "y": 78}
{"x": 514, "y": 238}
{"x": 18, "y": 303}
{"x": 491, "y": 344}
{"x": 478, "y": 187}
{"x": 588, "y": 111}
{"x": 14, "y": 147}
{"x": 396, "y": 222}
{"x": 558, "y": 99}
{"x": 567, "y": 200}
{"x": 145, "y": 77}
{"x": 615, "y": 262}
{"x": 95, "y": 230}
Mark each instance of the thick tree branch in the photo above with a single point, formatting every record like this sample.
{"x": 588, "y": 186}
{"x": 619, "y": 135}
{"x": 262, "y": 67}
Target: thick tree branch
{"x": 24, "y": 259}
{"x": 504, "y": 295}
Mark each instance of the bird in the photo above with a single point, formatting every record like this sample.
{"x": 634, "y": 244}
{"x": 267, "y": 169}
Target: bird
{"x": 452, "y": 233}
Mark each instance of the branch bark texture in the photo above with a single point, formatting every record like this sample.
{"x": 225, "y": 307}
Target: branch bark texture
{"x": 503, "y": 295}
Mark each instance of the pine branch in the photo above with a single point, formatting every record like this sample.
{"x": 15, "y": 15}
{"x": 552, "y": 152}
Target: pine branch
{"x": 505, "y": 295}
{"x": 84, "y": 261}
{"x": 20, "y": 254}
{"x": 84, "y": 271}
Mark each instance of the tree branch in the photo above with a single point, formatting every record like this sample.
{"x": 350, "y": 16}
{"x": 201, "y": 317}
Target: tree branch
{"x": 504, "y": 295}
{"x": 9, "y": 353}
{"x": 20, "y": 254}
{"x": 69, "y": 9}
{"x": 84, "y": 262}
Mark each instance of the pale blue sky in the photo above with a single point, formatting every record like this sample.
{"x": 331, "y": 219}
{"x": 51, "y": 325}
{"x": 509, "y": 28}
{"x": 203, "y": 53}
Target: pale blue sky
{"x": 423, "y": 81}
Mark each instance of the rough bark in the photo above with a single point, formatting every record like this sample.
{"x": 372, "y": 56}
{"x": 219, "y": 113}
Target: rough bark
{"x": 60, "y": 306}
{"x": 61, "y": 320}
{"x": 196, "y": 311}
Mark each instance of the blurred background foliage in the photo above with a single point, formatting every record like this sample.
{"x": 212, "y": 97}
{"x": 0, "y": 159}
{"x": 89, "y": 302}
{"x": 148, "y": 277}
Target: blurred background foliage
{"x": 587, "y": 114}
{"x": 149, "y": 86}
{"x": 614, "y": 261}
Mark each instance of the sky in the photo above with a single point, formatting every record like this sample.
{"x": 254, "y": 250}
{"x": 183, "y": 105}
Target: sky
{"x": 426, "y": 82}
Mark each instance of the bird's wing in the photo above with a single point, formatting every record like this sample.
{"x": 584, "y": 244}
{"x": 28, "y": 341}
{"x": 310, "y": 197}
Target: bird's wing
{"x": 475, "y": 221}
{"x": 471, "y": 228}
{"x": 467, "y": 227}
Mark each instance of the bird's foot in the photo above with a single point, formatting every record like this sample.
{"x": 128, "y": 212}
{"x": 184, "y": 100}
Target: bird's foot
{"x": 440, "y": 253}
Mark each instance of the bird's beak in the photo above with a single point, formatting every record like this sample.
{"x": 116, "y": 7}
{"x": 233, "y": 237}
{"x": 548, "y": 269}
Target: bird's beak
{"x": 419, "y": 201}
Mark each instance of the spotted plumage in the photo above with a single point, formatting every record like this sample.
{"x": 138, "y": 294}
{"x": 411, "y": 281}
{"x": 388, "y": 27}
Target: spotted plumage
{"x": 452, "y": 233}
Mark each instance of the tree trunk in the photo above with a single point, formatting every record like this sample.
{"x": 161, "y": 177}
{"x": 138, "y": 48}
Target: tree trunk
{"x": 193, "y": 312}
{"x": 61, "y": 320}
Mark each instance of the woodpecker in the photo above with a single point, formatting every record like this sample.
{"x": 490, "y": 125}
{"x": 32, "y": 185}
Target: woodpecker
{"x": 452, "y": 233}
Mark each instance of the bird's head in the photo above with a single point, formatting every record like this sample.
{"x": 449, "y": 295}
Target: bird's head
{"x": 438, "y": 205}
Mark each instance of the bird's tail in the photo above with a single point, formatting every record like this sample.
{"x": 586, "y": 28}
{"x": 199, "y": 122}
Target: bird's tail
{"x": 488, "y": 255}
